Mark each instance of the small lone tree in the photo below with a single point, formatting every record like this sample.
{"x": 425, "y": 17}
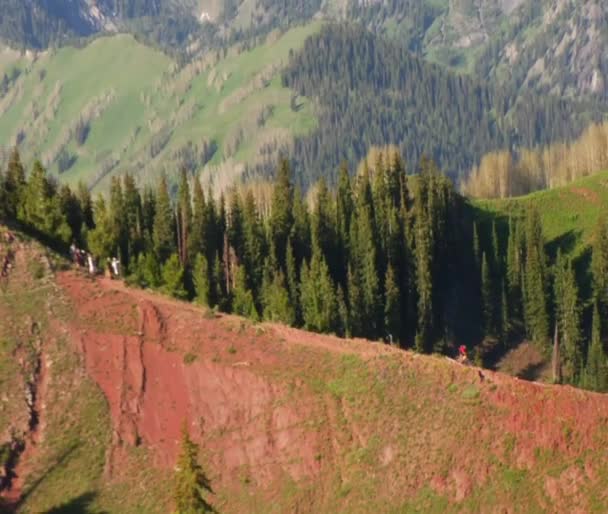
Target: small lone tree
{"x": 190, "y": 480}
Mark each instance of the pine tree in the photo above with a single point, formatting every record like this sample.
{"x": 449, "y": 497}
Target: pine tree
{"x": 190, "y": 482}
{"x": 505, "y": 321}
{"x": 184, "y": 218}
{"x": 277, "y": 305}
{"x": 536, "y": 313}
{"x": 513, "y": 270}
{"x": 599, "y": 264}
{"x": 164, "y": 223}
{"x": 281, "y": 217}
{"x": 151, "y": 272}
{"x": 568, "y": 316}
{"x": 71, "y": 212}
{"x": 14, "y": 184}
{"x": 202, "y": 282}
{"x": 100, "y": 240}
{"x": 318, "y": 296}
{"x": 173, "y": 278}
{"x": 133, "y": 216}
{"x": 197, "y": 243}
{"x": 344, "y": 211}
{"x": 476, "y": 248}
{"x": 40, "y": 206}
{"x": 243, "y": 303}
{"x": 392, "y": 307}
{"x": 118, "y": 219}
{"x": 487, "y": 297}
{"x": 596, "y": 369}
{"x": 293, "y": 285}
{"x": 254, "y": 250}
{"x": 424, "y": 281}
{"x": 343, "y": 315}
{"x": 356, "y": 303}
{"x": 86, "y": 205}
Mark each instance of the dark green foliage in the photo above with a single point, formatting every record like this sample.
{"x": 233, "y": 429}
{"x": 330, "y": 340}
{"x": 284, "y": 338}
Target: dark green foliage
{"x": 40, "y": 206}
{"x": 487, "y": 299}
{"x": 318, "y": 296}
{"x": 173, "y": 278}
{"x": 392, "y": 307}
{"x": 164, "y": 223}
{"x": 535, "y": 280}
{"x": 360, "y": 81}
{"x": 385, "y": 256}
{"x": 276, "y": 299}
{"x": 568, "y": 317}
{"x": 599, "y": 265}
{"x": 243, "y": 303}
{"x": 281, "y": 217}
{"x": 595, "y": 376}
{"x": 201, "y": 275}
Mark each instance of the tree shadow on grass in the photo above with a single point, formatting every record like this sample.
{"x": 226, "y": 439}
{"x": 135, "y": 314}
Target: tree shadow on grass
{"x": 79, "y": 505}
{"x": 58, "y": 463}
{"x": 532, "y": 372}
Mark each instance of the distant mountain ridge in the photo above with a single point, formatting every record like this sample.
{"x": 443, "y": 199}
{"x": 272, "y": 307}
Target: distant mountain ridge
{"x": 38, "y": 24}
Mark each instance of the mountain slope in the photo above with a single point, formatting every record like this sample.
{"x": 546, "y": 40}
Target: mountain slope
{"x": 117, "y": 105}
{"x": 287, "y": 420}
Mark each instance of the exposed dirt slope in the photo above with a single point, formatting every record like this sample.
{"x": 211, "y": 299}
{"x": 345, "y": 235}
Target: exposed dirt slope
{"x": 295, "y": 422}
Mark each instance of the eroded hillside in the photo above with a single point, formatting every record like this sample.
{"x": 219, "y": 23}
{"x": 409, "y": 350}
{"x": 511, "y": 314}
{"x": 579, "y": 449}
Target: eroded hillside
{"x": 287, "y": 421}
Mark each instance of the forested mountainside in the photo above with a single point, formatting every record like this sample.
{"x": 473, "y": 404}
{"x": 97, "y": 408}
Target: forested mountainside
{"x": 117, "y": 105}
{"x": 369, "y": 91}
{"x": 386, "y": 256}
{"x": 38, "y": 24}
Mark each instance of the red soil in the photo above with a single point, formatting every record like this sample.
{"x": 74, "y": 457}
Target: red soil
{"x": 136, "y": 347}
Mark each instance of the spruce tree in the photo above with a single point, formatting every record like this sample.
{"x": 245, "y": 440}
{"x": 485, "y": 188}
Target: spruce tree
{"x": 476, "y": 247}
{"x": 190, "y": 483}
{"x": 100, "y": 240}
{"x": 596, "y": 369}
{"x": 201, "y": 279}
{"x": 293, "y": 285}
{"x": 392, "y": 307}
{"x": 197, "y": 243}
{"x": 513, "y": 270}
{"x": 281, "y": 216}
{"x": 344, "y": 211}
{"x": 40, "y": 206}
{"x": 133, "y": 217}
{"x": 243, "y": 303}
{"x": 173, "y": 278}
{"x": 568, "y": 316}
{"x": 164, "y": 223}
{"x": 424, "y": 280}
{"x": 151, "y": 272}
{"x": 318, "y": 296}
{"x": 277, "y": 305}
{"x": 599, "y": 264}
{"x": 536, "y": 313}
{"x": 14, "y": 184}
{"x": 487, "y": 297}
{"x": 184, "y": 218}
{"x": 356, "y": 303}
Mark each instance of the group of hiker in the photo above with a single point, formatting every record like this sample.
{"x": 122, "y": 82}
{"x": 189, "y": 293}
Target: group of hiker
{"x": 84, "y": 259}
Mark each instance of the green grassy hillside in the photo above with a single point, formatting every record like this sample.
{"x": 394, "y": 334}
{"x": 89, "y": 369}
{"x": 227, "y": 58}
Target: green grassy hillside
{"x": 118, "y": 105}
{"x": 569, "y": 214}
